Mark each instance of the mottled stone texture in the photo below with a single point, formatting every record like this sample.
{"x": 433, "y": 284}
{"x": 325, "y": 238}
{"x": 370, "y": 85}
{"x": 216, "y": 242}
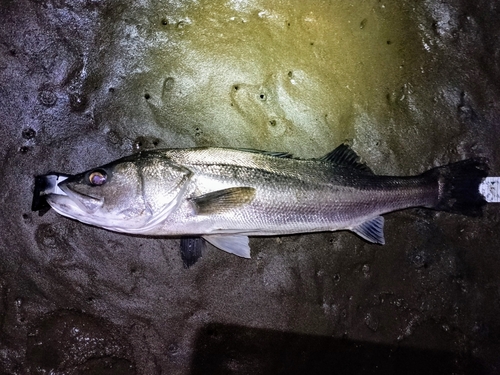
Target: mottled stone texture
{"x": 410, "y": 84}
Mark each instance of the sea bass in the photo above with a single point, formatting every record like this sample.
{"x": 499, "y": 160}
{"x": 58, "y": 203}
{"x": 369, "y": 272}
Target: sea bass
{"x": 225, "y": 195}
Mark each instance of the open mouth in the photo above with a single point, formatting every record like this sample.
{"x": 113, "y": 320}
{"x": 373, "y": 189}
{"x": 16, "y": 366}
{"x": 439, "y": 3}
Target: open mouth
{"x": 85, "y": 202}
{"x": 46, "y": 185}
{"x": 50, "y": 191}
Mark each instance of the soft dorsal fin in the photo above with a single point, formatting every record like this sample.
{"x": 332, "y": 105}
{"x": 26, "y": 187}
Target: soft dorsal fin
{"x": 345, "y": 156}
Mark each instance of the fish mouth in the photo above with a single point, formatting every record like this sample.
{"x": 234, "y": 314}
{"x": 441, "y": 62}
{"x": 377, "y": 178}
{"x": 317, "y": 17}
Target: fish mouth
{"x": 85, "y": 202}
{"x": 53, "y": 190}
{"x": 46, "y": 185}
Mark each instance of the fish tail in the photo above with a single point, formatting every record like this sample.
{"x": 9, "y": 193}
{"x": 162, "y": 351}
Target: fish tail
{"x": 459, "y": 186}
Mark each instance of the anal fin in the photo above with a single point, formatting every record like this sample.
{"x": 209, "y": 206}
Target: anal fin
{"x": 234, "y": 244}
{"x": 371, "y": 230}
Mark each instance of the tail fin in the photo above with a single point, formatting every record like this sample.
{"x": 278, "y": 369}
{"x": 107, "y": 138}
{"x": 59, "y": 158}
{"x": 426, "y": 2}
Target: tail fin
{"x": 459, "y": 186}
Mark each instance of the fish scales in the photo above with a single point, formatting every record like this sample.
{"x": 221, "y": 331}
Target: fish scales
{"x": 296, "y": 195}
{"x": 225, "y": 195}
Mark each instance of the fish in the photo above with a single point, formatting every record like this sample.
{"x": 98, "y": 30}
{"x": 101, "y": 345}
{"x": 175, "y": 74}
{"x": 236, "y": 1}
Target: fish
{"x": 225, "y": 195}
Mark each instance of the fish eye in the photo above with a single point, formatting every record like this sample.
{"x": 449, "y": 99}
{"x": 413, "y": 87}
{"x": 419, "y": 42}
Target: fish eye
{"x": 98, "y": 178}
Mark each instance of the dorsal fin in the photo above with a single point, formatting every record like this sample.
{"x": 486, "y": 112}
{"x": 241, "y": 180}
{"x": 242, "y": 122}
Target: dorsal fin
{"x": 276, "y": 154}
{"x": 345, "y": 156}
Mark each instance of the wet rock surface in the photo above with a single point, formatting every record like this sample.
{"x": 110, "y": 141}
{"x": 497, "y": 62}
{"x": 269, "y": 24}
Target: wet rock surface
{"x": 76, "y": 343}
{"x": 410, "y": 85}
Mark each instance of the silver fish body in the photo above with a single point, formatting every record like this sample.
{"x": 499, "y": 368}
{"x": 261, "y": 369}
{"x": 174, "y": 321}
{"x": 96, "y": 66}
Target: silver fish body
{"x": 288, "y": 195}
{"x": 226, "y": 195}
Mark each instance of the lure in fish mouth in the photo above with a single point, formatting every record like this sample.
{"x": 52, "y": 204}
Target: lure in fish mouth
{"x": 225, "y": 195}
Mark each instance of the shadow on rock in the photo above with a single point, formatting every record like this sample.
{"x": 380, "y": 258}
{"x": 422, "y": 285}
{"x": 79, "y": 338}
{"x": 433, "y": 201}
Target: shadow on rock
{"x": 229, "y": 349}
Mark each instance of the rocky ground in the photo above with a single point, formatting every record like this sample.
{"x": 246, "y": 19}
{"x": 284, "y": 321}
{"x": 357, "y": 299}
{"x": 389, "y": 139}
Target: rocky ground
{"x": 410, "y": 85}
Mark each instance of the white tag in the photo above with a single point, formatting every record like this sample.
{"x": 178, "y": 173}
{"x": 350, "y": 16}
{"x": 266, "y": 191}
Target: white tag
{"x": 490, "y": 188}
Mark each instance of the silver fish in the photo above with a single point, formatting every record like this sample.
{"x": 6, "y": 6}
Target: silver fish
{"x": 225, "y": 195}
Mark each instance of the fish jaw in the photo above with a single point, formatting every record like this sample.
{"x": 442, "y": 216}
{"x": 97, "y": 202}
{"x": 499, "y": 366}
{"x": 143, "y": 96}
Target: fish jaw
{"x": 64, "y": 198}
{"x": 68, "y": 203}
{"x": 66, "y": 206}
{"x": 84, "y": 202}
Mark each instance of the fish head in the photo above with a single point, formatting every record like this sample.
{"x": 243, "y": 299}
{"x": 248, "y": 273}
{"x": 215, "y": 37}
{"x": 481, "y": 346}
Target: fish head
{"x": 130, "y": 195}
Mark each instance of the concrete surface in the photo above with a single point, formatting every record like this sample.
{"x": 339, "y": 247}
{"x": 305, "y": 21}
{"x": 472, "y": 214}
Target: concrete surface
{"x": 410, "y": 84}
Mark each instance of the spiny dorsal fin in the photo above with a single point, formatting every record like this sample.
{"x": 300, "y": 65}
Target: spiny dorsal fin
{"x": 223, "y": 200}
{"x": 345, "y": 156}
{"x": 276, "y": 154}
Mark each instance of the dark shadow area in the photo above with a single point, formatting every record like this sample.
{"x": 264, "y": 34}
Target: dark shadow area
{"x": 230, "y": 349}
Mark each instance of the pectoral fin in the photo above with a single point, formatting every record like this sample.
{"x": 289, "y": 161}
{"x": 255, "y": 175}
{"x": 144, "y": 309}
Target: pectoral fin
{"x": 234, "y": 244}
{"x": 223, "y": 200}
{"x": 371, "y": 230}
